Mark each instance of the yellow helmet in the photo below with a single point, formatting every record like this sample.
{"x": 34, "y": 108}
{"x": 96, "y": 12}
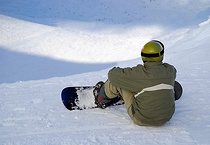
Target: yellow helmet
{"x": 153, "y": 51}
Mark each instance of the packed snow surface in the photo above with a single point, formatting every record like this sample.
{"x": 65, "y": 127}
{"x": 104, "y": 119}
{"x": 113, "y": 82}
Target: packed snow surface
{"x": 47, "y": 45}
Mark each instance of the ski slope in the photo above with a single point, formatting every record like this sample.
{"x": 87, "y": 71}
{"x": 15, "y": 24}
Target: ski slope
{"x": 47, "y": 45}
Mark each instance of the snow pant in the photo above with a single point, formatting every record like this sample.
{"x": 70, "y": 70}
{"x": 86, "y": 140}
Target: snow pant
{"x": 128, "y": 97}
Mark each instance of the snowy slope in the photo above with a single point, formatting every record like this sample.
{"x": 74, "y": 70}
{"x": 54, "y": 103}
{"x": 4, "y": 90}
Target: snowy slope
{"x": 48, "y": 45}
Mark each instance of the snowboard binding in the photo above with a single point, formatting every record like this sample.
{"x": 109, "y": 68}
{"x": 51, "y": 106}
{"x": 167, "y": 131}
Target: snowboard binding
{"x": 101, "y": 99}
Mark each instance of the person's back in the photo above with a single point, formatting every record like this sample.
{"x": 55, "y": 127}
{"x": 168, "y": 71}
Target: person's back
{"x": 154, "y": 102}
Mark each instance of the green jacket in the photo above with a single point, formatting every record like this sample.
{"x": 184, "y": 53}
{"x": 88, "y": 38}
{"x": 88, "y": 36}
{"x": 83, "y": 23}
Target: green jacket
{"x": 152, "y": 85}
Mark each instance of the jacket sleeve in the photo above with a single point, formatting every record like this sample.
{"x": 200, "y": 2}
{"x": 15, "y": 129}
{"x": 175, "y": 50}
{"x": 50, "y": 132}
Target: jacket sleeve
{"x": 124, "y": 77}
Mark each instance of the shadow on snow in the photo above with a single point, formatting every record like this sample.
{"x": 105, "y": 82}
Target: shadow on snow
{"x": 17, "y": 66}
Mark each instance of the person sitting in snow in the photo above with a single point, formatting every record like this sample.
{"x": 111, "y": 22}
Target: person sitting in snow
{"x": 148, "y": 90}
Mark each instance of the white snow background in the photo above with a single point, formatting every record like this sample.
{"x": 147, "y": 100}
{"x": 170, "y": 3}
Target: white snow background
{"x": 46, "y": 45}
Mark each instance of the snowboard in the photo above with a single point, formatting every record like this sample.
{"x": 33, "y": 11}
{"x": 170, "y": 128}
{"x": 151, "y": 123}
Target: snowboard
{"x": 177, "y": 90}
{"x": 81, "y": 97}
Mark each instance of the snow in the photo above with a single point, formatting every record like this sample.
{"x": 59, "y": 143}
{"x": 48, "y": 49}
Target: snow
{"x": 86, "y": 98}
{"x": 47, "y": 45}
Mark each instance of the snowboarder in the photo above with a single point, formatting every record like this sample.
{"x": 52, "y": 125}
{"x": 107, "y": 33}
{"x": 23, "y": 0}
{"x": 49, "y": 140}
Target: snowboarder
{"x": 147, "y": 90}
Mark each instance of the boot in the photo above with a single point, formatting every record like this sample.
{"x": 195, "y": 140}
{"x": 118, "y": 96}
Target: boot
{"x": 101, "y": 99}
